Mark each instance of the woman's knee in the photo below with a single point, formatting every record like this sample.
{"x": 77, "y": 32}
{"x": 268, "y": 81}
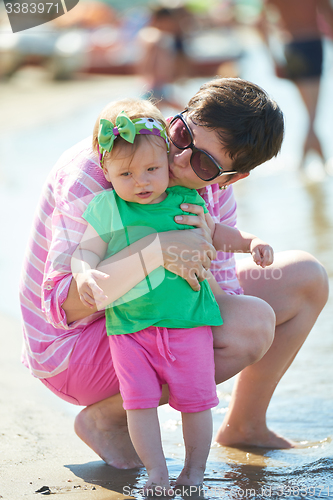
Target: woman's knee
{"x": 311, "y": 279}
{"x": 248, "y": 328}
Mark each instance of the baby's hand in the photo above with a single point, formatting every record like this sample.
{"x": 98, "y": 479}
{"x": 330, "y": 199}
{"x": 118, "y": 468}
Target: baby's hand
{"x": 262, "y": 253}
{"x": 90, "y": 293}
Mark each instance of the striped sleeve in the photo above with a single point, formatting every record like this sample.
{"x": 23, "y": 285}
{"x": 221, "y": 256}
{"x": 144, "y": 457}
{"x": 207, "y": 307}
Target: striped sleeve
{"x": 46, "y": 274}
{"x": 223, "y": 209}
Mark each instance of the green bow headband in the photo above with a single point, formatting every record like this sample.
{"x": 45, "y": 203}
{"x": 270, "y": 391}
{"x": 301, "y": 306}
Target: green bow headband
{"x": 127, "y": 129}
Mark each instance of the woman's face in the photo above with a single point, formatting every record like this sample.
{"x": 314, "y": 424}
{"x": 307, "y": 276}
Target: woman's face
{"x": 181, "y": 173}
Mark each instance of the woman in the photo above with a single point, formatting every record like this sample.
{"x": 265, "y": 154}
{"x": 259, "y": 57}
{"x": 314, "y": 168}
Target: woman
{"x": 229, "y": 126}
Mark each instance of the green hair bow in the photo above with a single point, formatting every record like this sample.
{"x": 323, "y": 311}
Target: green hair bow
{"x": 127, "y": 129}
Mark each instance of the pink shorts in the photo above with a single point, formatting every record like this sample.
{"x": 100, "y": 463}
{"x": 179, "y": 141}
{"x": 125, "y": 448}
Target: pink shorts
{"x": 181, "y": 358}
{"x": 90, "y": 376}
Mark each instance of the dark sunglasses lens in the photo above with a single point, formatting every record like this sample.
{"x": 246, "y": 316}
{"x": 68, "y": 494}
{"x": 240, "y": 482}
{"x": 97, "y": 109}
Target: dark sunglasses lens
{"x": 179, "y": 134}
{"x": 203, "y": 166}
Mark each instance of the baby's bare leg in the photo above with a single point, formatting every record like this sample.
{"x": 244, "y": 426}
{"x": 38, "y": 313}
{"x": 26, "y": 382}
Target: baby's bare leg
{"x": 197, "y": 432}
{"x": 145, "y": 434}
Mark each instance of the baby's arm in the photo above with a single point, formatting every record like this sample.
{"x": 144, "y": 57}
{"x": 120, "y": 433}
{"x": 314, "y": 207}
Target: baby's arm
{"x": 216, "y": 289}
{"x": 85, "y": 259}
{"x": 229, "y": 239}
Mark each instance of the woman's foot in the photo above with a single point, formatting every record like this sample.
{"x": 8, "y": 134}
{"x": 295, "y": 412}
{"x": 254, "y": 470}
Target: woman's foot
{"x": 261, "y": 437}
{"x": 106, "y": 435}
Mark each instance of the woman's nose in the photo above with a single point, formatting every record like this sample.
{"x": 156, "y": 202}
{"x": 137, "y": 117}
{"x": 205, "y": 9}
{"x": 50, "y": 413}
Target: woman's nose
{"x": 182, "y": 159}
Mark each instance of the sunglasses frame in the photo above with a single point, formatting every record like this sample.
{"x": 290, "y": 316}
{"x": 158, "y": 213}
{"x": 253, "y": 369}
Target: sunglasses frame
{"x": 195, "y": 150}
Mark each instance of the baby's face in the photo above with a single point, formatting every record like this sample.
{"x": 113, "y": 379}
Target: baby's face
{"x": 142, "y": 178}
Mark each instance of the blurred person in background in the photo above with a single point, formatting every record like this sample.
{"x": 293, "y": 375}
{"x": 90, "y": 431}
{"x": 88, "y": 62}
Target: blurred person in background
{"x": 164, "y": 59}
{"x": 302, "y": 25}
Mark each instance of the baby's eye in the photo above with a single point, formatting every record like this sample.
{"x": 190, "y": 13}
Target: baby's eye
{"x": 125, "y": 174}
{"x": 151, "y": 169}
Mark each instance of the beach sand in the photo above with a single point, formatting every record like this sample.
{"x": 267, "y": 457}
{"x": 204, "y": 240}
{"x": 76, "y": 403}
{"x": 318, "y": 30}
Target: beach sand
{"x": 38, "y": 445}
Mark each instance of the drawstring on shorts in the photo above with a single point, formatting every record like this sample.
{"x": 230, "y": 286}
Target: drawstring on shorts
{"x": 162, "y": 342}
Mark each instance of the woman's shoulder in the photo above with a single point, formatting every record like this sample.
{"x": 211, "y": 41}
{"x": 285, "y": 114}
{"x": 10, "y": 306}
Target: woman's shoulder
{"x": 80, "y": 164}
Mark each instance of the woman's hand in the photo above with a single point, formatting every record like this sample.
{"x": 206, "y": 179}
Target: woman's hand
{"x": 200, "y": 220}
{"x": 189, "y": 253}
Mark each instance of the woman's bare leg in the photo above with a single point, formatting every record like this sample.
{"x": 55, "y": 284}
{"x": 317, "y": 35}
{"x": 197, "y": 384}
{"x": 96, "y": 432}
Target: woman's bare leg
{"x": 103, "y": 427}
{"x": 296, "y": 287}
{"x": 245, "y": 336}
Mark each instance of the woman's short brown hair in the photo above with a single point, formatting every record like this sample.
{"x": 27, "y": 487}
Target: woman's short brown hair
{"x": 249, "y": 123}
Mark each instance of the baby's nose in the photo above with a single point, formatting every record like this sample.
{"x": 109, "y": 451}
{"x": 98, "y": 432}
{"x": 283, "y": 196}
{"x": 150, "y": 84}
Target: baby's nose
{"x": 142, "y": 179}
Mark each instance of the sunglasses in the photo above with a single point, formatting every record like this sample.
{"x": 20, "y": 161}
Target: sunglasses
{"x": 202, "y": 163}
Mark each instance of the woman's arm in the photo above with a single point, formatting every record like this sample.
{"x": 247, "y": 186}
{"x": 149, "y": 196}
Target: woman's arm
{"x": 186, "y": 253}
{"x": 85, "y": 259}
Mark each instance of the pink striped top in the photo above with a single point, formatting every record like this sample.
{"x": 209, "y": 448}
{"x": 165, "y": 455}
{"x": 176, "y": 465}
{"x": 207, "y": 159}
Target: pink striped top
{"x": 57, "y": 229}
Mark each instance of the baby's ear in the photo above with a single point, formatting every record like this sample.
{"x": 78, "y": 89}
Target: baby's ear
{"x": 106, "y": 174}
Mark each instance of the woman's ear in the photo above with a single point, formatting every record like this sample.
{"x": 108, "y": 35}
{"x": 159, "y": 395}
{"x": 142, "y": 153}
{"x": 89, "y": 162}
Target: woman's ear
{"x": 236, "y": 177}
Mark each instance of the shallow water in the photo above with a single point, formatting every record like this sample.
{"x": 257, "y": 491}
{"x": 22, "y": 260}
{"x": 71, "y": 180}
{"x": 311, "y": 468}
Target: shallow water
{"x": 275, "y": 202}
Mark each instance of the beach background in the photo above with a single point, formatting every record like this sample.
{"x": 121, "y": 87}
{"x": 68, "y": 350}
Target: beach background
{"x": 39, "y": 119}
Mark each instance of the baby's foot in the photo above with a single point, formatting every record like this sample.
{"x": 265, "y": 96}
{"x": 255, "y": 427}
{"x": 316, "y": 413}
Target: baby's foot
{"x": 157, "y": 490}
{"x": 189, "y": 482}
{"x": 158, "y": 483}
{"x": 185, "y": 490}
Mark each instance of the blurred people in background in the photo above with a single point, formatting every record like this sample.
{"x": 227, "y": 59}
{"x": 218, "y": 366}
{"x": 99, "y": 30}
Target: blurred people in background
{"x": 163, "y": 59}
{"x": 88, "y": 15}
{"x": 302, "y": 24}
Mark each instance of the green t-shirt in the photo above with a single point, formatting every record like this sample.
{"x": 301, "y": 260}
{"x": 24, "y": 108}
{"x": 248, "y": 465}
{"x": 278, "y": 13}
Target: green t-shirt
{"x": 162, "y": 298}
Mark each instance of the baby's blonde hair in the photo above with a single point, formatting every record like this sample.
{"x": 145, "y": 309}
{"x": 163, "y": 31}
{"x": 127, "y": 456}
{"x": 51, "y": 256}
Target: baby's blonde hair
{"x": 134, "y": 108}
